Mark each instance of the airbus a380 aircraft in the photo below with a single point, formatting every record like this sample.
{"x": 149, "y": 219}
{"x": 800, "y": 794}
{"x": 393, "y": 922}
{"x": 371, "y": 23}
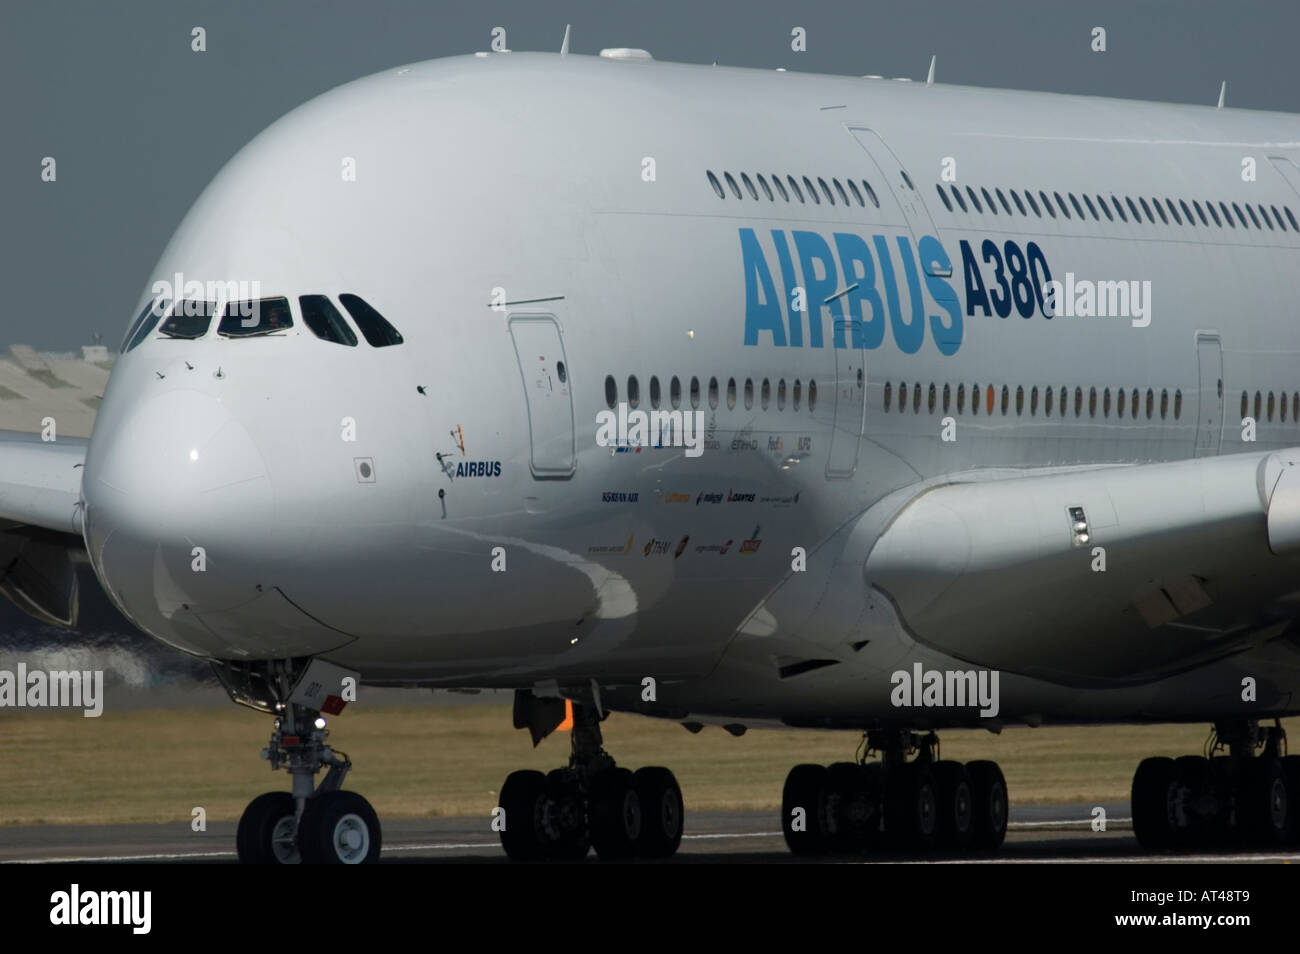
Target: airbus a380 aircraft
{"x": 908, "y": 482}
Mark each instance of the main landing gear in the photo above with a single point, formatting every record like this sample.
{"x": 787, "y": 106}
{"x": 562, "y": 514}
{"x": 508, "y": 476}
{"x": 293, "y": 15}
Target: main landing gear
{"x": 909, "y": 800}
{"x": 316, "y": 824}
{"x": 592, "y": 803}
{"x": 1245, "y": 790}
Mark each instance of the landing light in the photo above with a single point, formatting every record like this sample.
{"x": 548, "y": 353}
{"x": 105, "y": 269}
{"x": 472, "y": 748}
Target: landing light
{"x": 320, "y": 722}
{"x": 194, "y": 454}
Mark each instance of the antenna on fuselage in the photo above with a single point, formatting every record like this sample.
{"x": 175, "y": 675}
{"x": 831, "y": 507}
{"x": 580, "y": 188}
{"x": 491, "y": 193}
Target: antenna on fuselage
{"x": 1223, "y": 91}
{"x": 564, "y": 47}
{"x": 929, "y": 78}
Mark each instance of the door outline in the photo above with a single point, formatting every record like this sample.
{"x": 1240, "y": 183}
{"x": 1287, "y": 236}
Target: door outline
{"x": 1209, "y": 394}
{"x": 846, "y": 403}
{"x": 545, "y": 375}
{"x": 915, "y": 212}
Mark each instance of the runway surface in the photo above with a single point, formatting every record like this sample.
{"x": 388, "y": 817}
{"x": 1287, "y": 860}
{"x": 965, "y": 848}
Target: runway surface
{"x": 1038, "y": 834}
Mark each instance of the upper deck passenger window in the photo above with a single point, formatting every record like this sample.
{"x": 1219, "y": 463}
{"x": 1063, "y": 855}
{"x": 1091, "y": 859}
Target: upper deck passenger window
{"x": 265, "y": 316}
{"x": 144, "y": 324}
{"x": 324, "y": 320}
{"x": 190, "y": 320}
{"x": 776, "y": 181}
{"x": 378, "y": 332}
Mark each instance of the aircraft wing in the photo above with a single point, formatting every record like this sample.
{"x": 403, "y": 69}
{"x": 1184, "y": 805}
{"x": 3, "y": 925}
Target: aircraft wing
{"x": 1097, "y": 575}
{"x": 40, "y": 524}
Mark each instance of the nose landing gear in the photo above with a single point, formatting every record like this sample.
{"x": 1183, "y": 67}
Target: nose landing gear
{"x": 315, "y": 824}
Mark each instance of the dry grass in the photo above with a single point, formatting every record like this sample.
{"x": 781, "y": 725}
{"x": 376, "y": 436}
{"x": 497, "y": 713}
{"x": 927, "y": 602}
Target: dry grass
{"x": 156, "y": 765}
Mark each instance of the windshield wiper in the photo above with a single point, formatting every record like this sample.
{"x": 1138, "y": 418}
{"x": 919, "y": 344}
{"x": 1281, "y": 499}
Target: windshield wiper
{"x": 251, "y": 334}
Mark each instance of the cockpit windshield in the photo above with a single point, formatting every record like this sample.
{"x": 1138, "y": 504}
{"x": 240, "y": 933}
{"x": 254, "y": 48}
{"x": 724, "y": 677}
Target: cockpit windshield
{"x": 264, "y": 316}
{"x": 191, "y": 319}
{"x": 144, "y": 324}
{"x": 320, "y": 315}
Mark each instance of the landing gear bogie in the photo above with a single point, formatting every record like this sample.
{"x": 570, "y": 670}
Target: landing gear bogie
{"x": 908, "y": 801}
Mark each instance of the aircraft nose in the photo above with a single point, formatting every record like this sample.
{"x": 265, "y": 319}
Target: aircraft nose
{"x": 177, "y": 502}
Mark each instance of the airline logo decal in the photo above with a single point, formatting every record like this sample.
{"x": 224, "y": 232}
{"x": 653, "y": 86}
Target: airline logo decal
{"x": 863, "y": 286}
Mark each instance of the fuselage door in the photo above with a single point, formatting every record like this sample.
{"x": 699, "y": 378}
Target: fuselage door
{"x": 547, "y": 394}
{"x": 1209, "y": 424}
{"x": 850, "y": 402}
{"x": 901, "y": 189}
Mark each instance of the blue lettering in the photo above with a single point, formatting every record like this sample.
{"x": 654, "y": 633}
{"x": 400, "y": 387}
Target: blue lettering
{"x": 855, "y": 263}
{"x": 764, "y": 315}
{"x": 946, "y": 337}
{"x": 891, "y": 286}
{"x": 789, "y": 283}
{"x": 812, "y": 248}
{"x": 910, "y": 335}
{"x": 976, "y": 296}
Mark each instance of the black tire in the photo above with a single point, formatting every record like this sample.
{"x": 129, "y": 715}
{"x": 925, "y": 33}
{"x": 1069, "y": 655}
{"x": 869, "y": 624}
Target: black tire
{"x": 803, "y": 805}
{"x": 662, "y": 812}
{"x": 256, "y": 836}
{"x": 523, "y": 801}
{"x": 1197, "y": 781}
{"x": 339, "y": 828}
{"x": 874, "y": 775}
{"x": 990, "y": 805}
{"x": 563, "y": 830}
{"x": 853, "y": 807}
{"x": 614, "y": 810}
{"x": 911, "y": 807}
{"x": 1291, "y": 766}
{"x": 956, "y": 803}
{"x": 1265, "y": 802}
{"x": 1153, "y": 788}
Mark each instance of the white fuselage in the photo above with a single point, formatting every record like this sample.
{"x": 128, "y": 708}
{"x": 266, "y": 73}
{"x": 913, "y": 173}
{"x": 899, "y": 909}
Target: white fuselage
{"x": 501, "y": 213}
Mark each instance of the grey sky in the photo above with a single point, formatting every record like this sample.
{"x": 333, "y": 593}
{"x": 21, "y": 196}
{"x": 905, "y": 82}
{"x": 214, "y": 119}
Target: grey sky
{"x": 139, "y": 124}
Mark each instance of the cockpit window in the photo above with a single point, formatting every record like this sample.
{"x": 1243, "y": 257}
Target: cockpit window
{"x": 141, "y": 327}
{"x": 191, "y": 319}
{"x": 264, "y": 316}
{"x": 324, "y": 320}
{"x": 377, "y": 331}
